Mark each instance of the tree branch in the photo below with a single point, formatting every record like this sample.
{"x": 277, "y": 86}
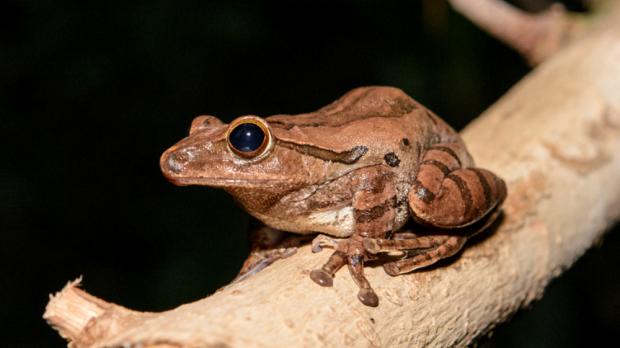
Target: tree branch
{"x": 534, "y": 36}
{"x": 555, "y": 138}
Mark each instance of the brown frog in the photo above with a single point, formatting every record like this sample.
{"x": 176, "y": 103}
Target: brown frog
{"x": 357, "y": 169}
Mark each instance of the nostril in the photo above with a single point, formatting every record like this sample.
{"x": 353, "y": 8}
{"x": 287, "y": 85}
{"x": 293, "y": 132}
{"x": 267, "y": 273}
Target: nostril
{"x": 177, "y": 161}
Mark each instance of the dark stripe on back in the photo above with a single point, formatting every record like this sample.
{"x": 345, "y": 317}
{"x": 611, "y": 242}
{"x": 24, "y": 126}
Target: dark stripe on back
{"x": 290, "y": 125}
{"x": 465, "y": 192}
{"x": 346, "y": 157}
{"x": 448, "y": 151}
{"x": 399, "y": 106}
{"x": 485, "y": 187}
{"x": 430, "y": 116}
{"x": 444, "y": 168}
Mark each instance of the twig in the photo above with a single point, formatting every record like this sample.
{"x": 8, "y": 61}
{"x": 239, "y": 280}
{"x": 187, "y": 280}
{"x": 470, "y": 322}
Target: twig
{"x": 535, "y": 36}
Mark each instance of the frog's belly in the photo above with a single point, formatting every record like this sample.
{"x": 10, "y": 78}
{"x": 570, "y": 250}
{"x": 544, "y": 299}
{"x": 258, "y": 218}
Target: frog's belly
{"x": 335, "y": 222}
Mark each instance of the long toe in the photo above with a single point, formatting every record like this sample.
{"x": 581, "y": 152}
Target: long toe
{"x": 391, "y": 268}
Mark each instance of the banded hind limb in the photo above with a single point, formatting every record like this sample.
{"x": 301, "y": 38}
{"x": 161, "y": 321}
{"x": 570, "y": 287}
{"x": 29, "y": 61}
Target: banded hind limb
{"x": 448, "y": 194}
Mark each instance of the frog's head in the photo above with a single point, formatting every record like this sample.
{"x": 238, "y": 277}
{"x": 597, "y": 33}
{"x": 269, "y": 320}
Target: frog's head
{"x": 242, "y": 157}
{"x": 221, "y": 155}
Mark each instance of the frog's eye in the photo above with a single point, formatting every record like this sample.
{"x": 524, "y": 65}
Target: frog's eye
{"x": 249, "y": 137}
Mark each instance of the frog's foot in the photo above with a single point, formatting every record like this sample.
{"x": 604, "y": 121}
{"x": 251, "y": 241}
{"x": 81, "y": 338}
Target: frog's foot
{"x": 403, "y": 242}
{"x": 350, "y": 252}
{"x": 325, "y": 275}
{"x": 258, "y": 260}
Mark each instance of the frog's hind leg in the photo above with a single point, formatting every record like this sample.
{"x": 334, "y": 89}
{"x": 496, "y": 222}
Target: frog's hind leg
{"x": 449, "y": 193}
{"x": 450, "y": 245}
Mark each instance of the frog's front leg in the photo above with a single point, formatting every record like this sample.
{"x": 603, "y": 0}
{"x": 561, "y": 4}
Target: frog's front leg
{"x": 373, "y": 213}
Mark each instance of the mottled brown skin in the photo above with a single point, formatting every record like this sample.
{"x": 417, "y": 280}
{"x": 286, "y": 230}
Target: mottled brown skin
{"x": 357, "y": 169}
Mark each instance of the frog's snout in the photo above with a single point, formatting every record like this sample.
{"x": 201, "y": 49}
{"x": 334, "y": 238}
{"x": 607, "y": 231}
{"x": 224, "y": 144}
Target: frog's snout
{"x": 173, "y": 162}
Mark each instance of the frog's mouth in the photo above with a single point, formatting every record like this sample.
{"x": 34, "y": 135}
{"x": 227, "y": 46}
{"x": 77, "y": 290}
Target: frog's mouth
{"x": 180, "y": 168}
{"x": 225, "y": 182}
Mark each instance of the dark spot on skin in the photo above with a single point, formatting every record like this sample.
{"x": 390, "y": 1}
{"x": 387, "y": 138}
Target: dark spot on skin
{"x": 405, "y": 141}
{"x": 372, "y": 320}
{"x": 391, "y": 159}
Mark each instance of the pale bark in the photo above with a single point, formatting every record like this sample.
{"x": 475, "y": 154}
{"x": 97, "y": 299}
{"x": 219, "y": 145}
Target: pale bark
{"x": 555, "y": 139}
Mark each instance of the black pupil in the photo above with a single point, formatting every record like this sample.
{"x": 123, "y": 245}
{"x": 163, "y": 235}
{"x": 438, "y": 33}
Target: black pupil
{"x": 246, "y": 137}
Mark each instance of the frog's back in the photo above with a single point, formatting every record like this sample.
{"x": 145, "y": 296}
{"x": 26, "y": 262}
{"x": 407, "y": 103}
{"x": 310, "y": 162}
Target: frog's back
{"x": 379, "y": 118}
{"x": 358, "y": 104}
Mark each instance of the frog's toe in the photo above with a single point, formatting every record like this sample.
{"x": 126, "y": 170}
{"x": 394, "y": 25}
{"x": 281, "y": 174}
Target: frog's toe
{"x": 322, "y": 278}
{"x": 321, "y": 241}
{"x": 316, "y": 247}
{"x": 368, "y": 297}
{"x": 391, "y": 268}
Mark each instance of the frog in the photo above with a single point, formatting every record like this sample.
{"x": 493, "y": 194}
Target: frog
{"x": 355, "y": 175}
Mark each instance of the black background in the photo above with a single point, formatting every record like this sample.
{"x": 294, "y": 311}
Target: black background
{"x": 91, "y": 95}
